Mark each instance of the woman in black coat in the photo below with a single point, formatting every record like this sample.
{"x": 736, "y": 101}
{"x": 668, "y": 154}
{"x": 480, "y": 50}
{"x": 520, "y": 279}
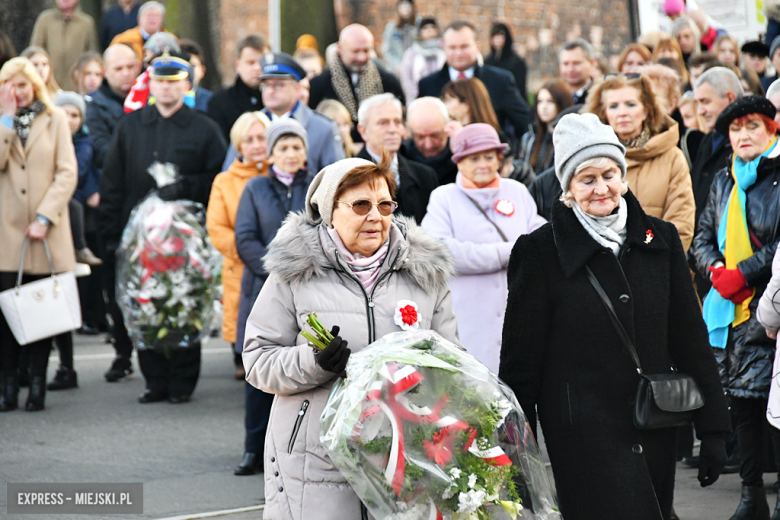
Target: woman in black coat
{"x": 265, "y": 203}
{"x": 563, "y": 358}
{"x": 744, "y": 352}
{"x": 503, "y": 56}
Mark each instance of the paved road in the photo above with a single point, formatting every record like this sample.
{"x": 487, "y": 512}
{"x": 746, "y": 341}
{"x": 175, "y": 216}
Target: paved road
{"x": 185, "y": 454}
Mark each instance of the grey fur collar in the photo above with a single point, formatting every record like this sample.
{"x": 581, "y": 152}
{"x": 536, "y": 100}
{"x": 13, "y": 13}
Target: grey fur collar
{"x": 297, "y": 253}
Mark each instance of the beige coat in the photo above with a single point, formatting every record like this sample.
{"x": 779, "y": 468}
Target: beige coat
{"x": 221, "y": 224}
{"x": 307, "y": 274}
{"x": 65, "y": 41}
{"x": 37, "y": 179}
{"x": 659, "y": 177}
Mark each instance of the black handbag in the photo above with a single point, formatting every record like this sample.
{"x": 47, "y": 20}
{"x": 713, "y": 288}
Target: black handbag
{"x": 662, "y": 400}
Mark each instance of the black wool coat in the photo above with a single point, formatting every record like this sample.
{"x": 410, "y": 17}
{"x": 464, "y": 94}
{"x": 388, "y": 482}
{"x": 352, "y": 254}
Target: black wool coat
{"x": 562, "y": 356}
{"x": 746, "y": 362}
{"x": 503, "y": 91}
{"x": 322, "y": 88}
{"x": 417, "y": 183}
{"x": 227, "y": 105}
{"x": 187, "y": 139}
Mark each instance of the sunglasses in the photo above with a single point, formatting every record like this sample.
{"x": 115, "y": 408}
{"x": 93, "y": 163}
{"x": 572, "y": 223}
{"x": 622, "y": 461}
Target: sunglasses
{"x": 362, "y": 207}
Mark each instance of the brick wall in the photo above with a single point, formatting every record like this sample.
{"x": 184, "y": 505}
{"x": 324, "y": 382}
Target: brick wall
{"x": 539, "y": 26}
{"x": 238, "y": 19}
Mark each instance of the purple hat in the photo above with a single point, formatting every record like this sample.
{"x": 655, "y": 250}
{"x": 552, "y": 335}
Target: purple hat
{"x": 475, "y": 138}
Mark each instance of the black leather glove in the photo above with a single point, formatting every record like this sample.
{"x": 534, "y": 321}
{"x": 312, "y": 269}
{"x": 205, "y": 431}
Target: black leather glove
{"x": 174, "y": 191}
{"x": 712, "y": 459}
{"x": 334, "y": 358}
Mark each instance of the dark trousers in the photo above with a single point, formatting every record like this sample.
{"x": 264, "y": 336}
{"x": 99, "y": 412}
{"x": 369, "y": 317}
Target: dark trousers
{"x": 77, "y": 227}
{"x": 10, "y": 350}
{"x": 64, "y": 343}
{"x": 93, "y": 304}
{"x": 175, "y": 374}
{"x": 122, "y": 343}
{"x": 258, "y": 410}
{"x": 750, "y": 424}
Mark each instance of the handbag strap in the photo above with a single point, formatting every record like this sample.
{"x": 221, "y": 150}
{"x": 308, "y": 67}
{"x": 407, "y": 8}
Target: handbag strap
{"x": 21, "y": 261}
{"x": 624, "y": 337}
{"x": 476, "y": 205}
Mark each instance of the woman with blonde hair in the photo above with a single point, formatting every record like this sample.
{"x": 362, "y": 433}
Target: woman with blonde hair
{"x": 87, "y": 73}
{"x": 38, "y": 175}
{"x": 657, "y": 171}
{"x": 727, "y": 51}
{"x": 687, "y": 34}
{"x": 334, "y": 110}
{"x": 42, "y": 63}
{"x": 248, "y": 137}
{"x": 668, "y": 48}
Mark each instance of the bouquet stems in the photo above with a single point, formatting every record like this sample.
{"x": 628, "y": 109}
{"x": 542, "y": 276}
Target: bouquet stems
{"x": 323, "y": 336}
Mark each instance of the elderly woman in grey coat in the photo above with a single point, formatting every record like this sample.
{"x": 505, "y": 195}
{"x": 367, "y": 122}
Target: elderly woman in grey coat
{"x": 349, "y": 261}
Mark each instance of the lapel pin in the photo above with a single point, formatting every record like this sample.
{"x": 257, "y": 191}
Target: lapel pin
{"x": 649, "y": 236}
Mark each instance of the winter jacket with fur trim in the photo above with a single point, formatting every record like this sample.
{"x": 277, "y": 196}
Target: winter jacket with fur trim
{"x": 307, "y": 274}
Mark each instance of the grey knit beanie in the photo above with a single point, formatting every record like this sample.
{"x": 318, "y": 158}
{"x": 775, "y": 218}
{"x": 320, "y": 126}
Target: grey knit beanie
{"x": 71, "y": 98}
{"x": 579, "y": 137}
{"x": 322, "y": 190}
{"x": 285, "y": 126}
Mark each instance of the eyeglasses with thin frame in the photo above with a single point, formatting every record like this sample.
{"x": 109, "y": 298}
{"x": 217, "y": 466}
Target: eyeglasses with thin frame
{"x": 362, "y": 207}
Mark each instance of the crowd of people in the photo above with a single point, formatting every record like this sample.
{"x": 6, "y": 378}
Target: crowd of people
{"x": 341, "y": 183}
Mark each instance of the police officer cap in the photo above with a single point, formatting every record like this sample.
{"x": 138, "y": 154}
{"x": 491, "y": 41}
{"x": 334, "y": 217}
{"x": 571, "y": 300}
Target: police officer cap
{"x": 281, "y": 65}
{"x": 170, "y": 66}
{"x": 742, "y": 107}
{"x": 756, "y": 48}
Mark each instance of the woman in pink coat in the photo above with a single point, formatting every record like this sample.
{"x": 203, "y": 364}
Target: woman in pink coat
{"x": 479, "y": 217}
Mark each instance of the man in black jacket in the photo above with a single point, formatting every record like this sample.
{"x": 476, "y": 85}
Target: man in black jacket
{"x": 121, "y": 68}
{"x": 714, "y": 91}
{"x": 165, "y": 132}
{"x": 353, "y": 77}
{"x": 382, "y": 126}
{"x": 576, "y": 61}
{"x": 227, "y": 105}
{"x": 462, "y": 50}
{"x": 429, "y": 125}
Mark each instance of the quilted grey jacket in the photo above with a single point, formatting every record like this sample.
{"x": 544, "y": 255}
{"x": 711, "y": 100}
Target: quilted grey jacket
{"x": 307, "y": 274}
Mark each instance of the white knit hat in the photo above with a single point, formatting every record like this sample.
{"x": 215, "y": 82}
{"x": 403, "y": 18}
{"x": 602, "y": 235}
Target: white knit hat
{"x": 322, "y": 190}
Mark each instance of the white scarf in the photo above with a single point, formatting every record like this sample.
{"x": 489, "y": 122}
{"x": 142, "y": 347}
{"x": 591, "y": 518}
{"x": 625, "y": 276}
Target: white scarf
{"x": 609, "y": 231}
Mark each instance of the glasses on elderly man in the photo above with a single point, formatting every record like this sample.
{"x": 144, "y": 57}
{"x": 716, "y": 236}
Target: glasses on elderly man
{"x": 362, "y": 207}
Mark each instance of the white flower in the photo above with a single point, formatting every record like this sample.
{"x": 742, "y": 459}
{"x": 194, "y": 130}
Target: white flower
{"x": 176, "y": 276}
{"x": 470, "y": 501}
{"x": 503, "y": 407}
{"x": 472, "y": 480}
{"x": 449, "y": 493}
{"x": 455, "y": 472}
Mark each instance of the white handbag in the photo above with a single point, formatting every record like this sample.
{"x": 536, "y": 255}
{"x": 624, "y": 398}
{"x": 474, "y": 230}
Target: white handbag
{"x": 43, "y": 308}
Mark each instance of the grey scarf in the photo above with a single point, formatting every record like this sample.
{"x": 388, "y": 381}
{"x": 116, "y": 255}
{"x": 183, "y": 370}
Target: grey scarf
{"x": 24, "y": 119}
{"x": 609, "y": 231}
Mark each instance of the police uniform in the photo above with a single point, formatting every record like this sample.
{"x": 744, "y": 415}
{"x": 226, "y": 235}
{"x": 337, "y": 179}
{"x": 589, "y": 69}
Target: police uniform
{"x": 194, "y": 143}
{"x": 325, "y": 144}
